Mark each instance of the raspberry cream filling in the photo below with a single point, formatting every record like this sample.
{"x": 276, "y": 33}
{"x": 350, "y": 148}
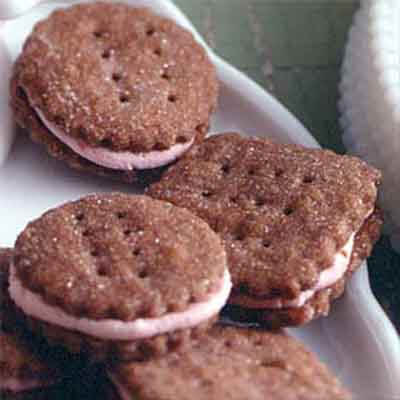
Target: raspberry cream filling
{"x": 121, "y": 160}
{"x": 113, "y": 329}
{"x": 20, "y": 385}
{"x": 327, "y": 278}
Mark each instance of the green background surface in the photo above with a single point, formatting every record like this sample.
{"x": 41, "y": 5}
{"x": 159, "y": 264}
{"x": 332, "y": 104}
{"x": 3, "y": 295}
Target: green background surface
{"x": 294, "y": 49}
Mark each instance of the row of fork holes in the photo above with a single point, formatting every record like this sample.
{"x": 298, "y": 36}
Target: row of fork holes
{"x": 239, "y": 237}
{"x": 264, "y": 363}
{"x": 226, "y": 170}
{"x": 99, "y": 34}
{"x": 278, "y": 172}
{"x": 259, "y": 202}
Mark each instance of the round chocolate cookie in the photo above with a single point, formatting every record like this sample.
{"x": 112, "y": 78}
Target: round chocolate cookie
{"x": 113, "y": 89}
{"x": 235, "y": 364}
{"x": 26, "y": 369}
{"x": 293, "y": 220}
{"x": 117, "y": 275}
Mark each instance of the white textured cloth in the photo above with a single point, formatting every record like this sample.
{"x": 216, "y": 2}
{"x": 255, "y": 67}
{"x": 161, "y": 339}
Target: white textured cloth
{"x": 370, "y": 99}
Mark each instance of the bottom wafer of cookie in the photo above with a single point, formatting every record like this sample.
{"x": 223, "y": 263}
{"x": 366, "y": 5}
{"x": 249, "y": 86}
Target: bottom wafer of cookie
{"x": 231, "y": 363}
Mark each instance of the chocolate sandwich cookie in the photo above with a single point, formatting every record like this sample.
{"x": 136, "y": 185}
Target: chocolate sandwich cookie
{"x": 233, "y": 364}
{"x": 25, "y": 372}
{"x": 296, "y": 222}
{"x": 113, "y": 89}
{"x": 116, "y": 275}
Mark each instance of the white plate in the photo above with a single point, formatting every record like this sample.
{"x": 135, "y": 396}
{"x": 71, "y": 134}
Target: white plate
{"x": 357, "y": 340}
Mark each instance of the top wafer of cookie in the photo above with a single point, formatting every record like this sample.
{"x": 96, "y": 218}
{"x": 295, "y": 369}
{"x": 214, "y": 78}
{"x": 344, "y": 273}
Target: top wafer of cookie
{"x": 117, "y": 85}
{"x": 232, "y": 364}
{"x": 285, "y": 213}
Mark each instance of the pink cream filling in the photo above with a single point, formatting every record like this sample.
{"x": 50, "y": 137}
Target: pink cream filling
{"x": 122, "y": 160}
{"x": 112, "y": 329}
{"x": 20, "y": 385}
{"x": 327, "y": 278}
